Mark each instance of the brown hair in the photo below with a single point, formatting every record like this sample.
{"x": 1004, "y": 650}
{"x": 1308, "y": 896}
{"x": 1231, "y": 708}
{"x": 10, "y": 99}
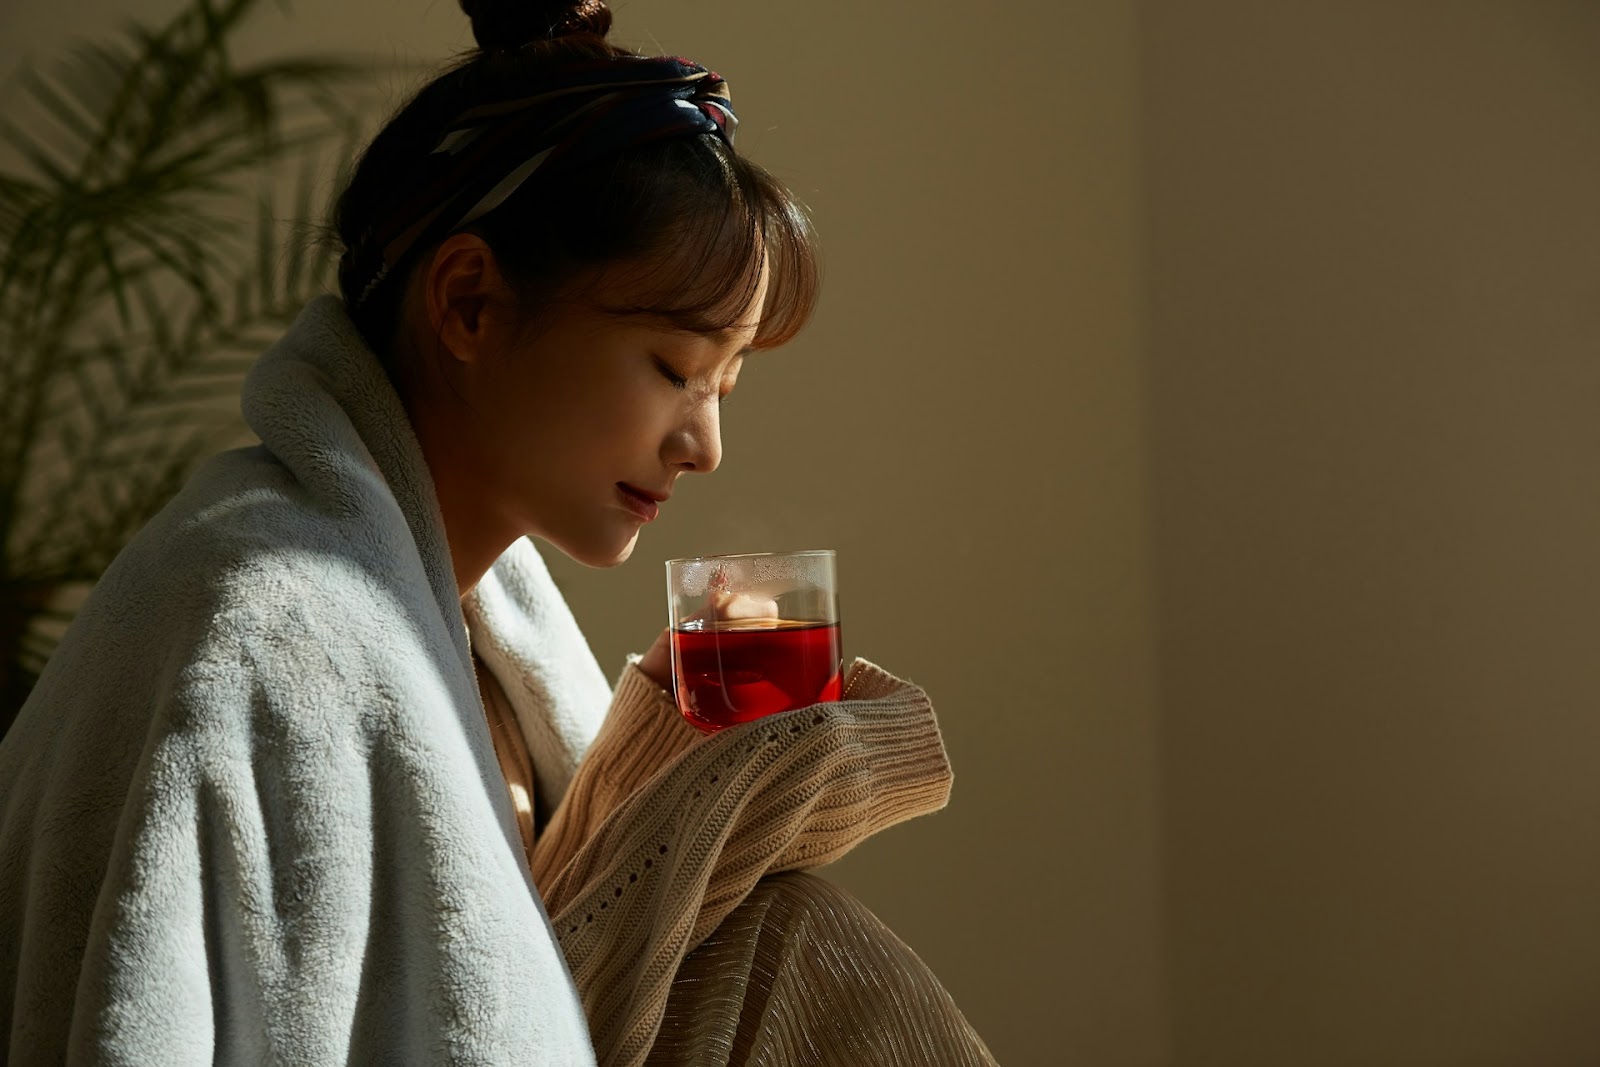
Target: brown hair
{"x": 696, "y": 212}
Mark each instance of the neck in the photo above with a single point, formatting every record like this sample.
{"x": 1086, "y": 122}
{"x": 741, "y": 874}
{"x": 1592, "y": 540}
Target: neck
{"x": 476, "y": 532}
{"x": 475, "y": 535}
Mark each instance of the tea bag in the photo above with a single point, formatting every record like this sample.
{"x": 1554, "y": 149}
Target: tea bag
{"x": 724, "y": 606}
{"x": 730, "y": 606}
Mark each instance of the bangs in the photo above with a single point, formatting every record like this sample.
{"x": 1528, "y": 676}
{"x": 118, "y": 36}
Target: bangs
{"x": 704, "y": 268}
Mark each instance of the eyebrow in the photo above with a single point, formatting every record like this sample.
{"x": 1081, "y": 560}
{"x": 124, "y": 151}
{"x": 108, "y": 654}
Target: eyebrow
{"x": 725, "y": 334}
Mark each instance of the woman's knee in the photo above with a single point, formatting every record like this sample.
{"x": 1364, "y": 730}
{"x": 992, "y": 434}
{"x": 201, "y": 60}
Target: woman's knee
{"x": 813, "y": 964}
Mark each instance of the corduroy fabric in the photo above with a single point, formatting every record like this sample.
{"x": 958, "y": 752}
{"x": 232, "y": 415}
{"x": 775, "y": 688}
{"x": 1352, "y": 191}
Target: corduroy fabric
{"x": 802, "y": 974}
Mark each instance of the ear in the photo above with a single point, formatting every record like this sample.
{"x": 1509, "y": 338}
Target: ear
{"x": 462, "y": 281}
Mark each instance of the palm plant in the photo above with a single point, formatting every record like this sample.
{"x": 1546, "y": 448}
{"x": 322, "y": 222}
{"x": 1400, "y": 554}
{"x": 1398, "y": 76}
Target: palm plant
{"x": 142, "y": 269}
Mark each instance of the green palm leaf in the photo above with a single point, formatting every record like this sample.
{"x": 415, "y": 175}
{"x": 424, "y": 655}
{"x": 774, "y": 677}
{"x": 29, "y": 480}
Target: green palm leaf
{"x": 144, "y": 264}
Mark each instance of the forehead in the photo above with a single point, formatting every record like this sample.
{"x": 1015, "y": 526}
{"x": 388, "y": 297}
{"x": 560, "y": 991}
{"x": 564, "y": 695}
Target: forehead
{"x": 734, "y": 342}
{"x": 720, "y": 303}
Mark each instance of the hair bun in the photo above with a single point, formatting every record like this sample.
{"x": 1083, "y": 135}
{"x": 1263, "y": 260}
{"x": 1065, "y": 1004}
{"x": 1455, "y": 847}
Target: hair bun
{"x": 511, "y": 24}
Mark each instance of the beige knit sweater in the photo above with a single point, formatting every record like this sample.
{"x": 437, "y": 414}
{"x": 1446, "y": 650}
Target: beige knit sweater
{"x": 663, "y": 831}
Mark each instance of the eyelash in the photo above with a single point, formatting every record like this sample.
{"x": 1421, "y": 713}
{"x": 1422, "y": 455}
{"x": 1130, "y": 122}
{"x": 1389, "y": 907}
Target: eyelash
{"x": 672, "y": 376}
{"x": 679, "y": 382}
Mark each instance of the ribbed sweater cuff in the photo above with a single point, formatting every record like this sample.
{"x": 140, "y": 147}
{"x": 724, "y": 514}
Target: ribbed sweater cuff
{"x": 888, "y": 723}
{"x": 890, "y": 726}
{"x": 910, "y": 771}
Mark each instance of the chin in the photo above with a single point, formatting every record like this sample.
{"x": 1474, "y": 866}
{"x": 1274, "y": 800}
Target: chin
{"x": 599, "y": 554}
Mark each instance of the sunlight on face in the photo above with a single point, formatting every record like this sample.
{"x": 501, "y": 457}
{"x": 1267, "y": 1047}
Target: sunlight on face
{"x": 590, "y": 401}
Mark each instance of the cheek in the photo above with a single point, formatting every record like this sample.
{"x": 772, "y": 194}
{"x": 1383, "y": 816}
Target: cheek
{"x": 551, "y": 430}
{"x": 628, "y": 427}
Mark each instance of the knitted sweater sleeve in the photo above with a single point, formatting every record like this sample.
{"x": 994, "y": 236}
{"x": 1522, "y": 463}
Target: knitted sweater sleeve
{"x": 663, "y": 831}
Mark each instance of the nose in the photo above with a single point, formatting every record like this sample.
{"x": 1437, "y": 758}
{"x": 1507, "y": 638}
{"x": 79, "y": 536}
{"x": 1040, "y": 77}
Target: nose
{"x": 696, "y": 444}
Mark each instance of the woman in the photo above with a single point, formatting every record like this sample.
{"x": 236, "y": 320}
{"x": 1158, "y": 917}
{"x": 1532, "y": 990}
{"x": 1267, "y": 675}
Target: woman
{"x": 324, "y": 771}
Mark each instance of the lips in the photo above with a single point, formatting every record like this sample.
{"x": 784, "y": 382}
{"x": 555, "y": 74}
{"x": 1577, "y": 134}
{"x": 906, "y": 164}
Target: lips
{"x": 646, "y": 494}
{"x": 642, "y": 505}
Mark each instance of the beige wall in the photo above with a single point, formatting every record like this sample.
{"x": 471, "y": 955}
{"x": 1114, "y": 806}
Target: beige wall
{"x": 1374, "y": 307}
{"x": 1201, "y": 404}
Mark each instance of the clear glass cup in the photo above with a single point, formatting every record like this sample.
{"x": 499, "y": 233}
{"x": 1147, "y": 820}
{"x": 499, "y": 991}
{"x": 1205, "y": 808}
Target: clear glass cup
{"x": 753, "y": 634}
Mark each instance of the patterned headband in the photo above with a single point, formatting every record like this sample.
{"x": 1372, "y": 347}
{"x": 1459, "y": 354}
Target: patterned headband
{"x": 580, "y": 114}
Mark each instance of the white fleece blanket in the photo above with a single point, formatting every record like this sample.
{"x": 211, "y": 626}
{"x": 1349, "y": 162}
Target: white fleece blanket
{"x": 252, "y": 812}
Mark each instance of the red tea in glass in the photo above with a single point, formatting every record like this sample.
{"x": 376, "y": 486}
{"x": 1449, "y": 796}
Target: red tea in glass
{"x": 753, "y": 634}
{"x": 732, "y": 671}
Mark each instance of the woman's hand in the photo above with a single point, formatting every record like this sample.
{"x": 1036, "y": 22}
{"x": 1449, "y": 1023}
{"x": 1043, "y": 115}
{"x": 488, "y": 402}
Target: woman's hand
{"x": 657, "y": 663}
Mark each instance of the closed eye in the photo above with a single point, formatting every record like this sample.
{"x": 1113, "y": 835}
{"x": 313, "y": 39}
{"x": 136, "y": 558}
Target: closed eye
{"x": 677, "y": 380}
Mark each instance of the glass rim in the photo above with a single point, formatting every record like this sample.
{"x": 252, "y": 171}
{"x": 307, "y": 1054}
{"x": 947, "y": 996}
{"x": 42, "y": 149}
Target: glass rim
{"x": 755, "y": 555}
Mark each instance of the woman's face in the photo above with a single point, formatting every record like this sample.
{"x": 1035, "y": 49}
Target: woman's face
{"x": 550, "y": 422}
